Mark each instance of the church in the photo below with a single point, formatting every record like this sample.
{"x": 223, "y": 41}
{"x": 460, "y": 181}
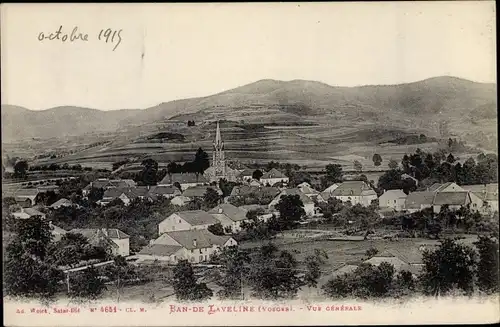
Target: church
{"x": 218, "y": 169}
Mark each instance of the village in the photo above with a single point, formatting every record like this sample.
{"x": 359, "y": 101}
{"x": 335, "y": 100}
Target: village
{"x": 223, "y": 207}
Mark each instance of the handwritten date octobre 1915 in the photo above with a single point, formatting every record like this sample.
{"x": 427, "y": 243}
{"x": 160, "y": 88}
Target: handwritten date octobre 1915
{"x": 105, "y": 35}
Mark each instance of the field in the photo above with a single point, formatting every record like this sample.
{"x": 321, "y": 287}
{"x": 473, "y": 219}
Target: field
{"x": 313, "y": 144}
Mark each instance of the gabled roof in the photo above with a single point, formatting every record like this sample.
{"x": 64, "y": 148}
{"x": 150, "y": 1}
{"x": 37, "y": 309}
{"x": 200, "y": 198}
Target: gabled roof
{"x": 260, "y": 190}
{"x": 306, "y": 189}
{"x": 232, "y": 212}
{"x": 138, "y": 191}
{"x": 115, "y": 192}
{"x": 115, "y": 233}
{"x": 197, "y": 239}
{"x": 247, "y": 172}
{"x": 26, "y": 192}
{"x": 61, "y": 202}
{"x": 160, "y": 250}
{"x": 164, "y": 190}
{"x": 295, "y": 191}
{"x": 197, "y": 217}
{"x": 183, "y": 178}
{"x": 57, "y": 230}
{"x": 415, "y": 200}
{"x": 95, "y": 236}
{"x": 409, "y": 256}
{"x": 451, "y": 198}
{"x": 346, "y": 269}
{"x": 199, "y": 191}
{"x": 353, "y": 188}
{"x": 397, "y": 194}
{"x": 31, "y": 212}
{"x": 488, "y": 192}
{"x": 436, "y": 187}
{"x": 251, "y": 207}
{"x": 273, "y": 173}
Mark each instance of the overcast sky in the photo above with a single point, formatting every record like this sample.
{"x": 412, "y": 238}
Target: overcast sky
{"x": 174, "y": 51}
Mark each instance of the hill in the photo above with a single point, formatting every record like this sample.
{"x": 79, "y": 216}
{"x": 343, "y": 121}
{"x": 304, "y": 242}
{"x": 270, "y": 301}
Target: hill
{"x": 441, "y": 106}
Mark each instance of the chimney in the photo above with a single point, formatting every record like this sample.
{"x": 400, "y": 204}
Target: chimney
{"x": 195, "y": 243}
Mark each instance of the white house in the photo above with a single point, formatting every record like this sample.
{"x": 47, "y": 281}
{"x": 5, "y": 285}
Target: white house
{"x": 246, "y": 175}
{"x": 185, "y": 180}
{"x": 193, "y": 245}
{"x": 167, "y": 192}
{"x": 309, "y": 207}
{"x": 273, "y": 176}
{"x": 229, "y": 216}
{"x": 186, "y": 220}
{"x": 394, "y": 199}
{"x": 357, "y": 192}
{"x": 488, "y": 193}
{"x": 61, "y": 203}
{"x": 26, "y": 213}
{"x": 180, "y": 200}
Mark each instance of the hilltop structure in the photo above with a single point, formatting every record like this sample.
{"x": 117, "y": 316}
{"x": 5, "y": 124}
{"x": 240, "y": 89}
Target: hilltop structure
{"x": 219, "y": 169}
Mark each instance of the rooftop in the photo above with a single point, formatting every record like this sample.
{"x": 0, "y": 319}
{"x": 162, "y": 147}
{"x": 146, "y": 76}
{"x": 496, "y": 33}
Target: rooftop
{"x": 197, "y": 217}
{"x": 232, "y": 212}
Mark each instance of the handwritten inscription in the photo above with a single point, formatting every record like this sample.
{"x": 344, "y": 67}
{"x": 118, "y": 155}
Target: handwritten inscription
{"x": 107, "y": 35}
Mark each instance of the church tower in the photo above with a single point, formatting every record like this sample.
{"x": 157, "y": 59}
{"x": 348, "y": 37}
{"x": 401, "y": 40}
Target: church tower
{"x": 219, "y": 162}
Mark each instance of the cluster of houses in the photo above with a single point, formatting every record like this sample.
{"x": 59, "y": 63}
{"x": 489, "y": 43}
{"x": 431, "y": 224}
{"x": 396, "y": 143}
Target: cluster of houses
{"x": 481, "y": 198}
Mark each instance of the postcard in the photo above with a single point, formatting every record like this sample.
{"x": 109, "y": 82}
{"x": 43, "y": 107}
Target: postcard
{"x": 249, "y": 164}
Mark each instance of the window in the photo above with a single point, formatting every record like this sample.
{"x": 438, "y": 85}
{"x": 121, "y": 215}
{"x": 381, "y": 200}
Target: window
{"x": 394, "y": 201}
{"x": 192, "y": 251}
{"x": 200, "y": 251}
{"x": 180, "y": 221}
{"x": 201, "y": 258}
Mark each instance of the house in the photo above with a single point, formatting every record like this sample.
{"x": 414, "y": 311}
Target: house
{"x": 57, "y": 232}
{"x": 310, "y": 192}
{"x": 26, "y": 197}
{"x": 199, "y": 191}
{"x": 167, "y": 192}
{"x": 48, "y": 188}
{"x": 186, "y": 220}
{"x": 185, "y": 180}
{"x": 446, "y": 187}
{"x": 193, "y": 245}
{"x": 254, "y": 182}
{"x": 139, "y": 192}
{"x": 488, "y": 193}
{"x": 454, "y": 200}
{"x": 357, "y": 192}
{"x": 309, "y": 207}
{"x": 345, "y": 269}
{"x": 26, "y": 213}
{"x": 229, "y": 216}
{"x": 116, "y": 193}
{"x": 180, "y": 200}
{"x": 111, "y": 238}
{"x": 246, "y": 175}
{"x": 327, "y": 193}
{"x": 402, "y": 259}
{"x": 61, "y": 203}
{"x": 264, "y": 194}
{"x": 417, "y": 201}
{"x": 394, "y": 199}
{"x": 264, "y": 213}
{"x": 273, "y": 176}
{"x": 105, "y": 184}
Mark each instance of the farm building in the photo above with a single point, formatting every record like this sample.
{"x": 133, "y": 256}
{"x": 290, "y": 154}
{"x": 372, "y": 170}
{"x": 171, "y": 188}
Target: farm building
{"x": 309, "y": 206}
{"x": 185, "y": 180}
{"x": 357, "y": 192}
{"x": 229, "y": 216}
{"x": 26, "y": 213}
{"x": 417, "y": 201}
{"x": 61, "y": 203}
{"x": 394, "y": 199}
{"x": 486, "y": 192}
{"x": 193, "y": 245}
{"x": 118, "y": 241}
{"x": 274, "y": 176}
{"x": 186, "y": 220}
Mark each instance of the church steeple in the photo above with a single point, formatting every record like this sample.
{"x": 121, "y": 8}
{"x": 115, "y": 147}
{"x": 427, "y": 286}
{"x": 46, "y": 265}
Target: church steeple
{"x": 218, "y": 156}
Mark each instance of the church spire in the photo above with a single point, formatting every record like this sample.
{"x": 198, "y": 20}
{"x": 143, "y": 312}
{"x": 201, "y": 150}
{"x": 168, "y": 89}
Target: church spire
{"x": 218, "y": 139}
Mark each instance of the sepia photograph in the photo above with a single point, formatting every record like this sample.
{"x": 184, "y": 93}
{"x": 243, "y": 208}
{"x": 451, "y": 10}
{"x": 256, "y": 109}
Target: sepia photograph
{"x": 249, "y": 163}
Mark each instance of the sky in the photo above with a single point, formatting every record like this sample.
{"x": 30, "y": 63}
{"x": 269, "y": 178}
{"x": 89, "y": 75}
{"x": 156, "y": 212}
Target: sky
{"x": 176, "y": 51}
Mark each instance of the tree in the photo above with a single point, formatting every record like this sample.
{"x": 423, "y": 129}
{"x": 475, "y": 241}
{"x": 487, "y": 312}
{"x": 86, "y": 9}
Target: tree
{"x": 291, "y": 210}
{"x": 333, "y": 173}
{"x": 27, "y": 272}
{"x": 21, "y": 169}
{"x": 450, "y": 159}
{"x": 148, "y": 175}
{"x": 448, "y": 267}
{"x": 257, "y": 174}
{"x": 233, "y": 261}
{"x": 487, "y": 267}
{"x": 87, "y": 285}
{"x": 185, "y": 286}
{"x": 377, "y": 159}
{"x": 313, "y": 265}
{"x": 358, "y": 166}
{"x": 216, "y": 229}
{"x": 211, "y": 198}
{"x": 272, "y": 275}
{"x": 393, "y": 164}
{"x": 201, "y": 161}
